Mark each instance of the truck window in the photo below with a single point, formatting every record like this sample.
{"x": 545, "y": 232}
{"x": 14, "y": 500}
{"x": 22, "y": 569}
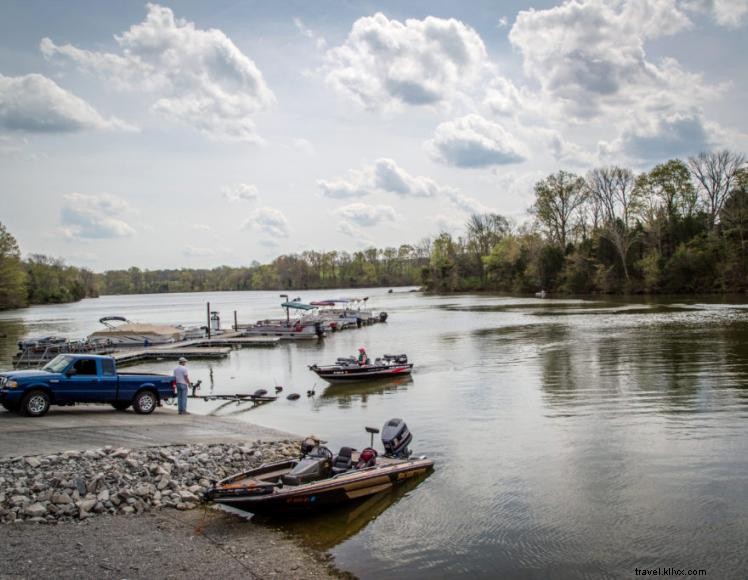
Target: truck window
{"x": 85, "y": 366}
{"x": 58, "y": 364}
{"x": 107, "y": 367}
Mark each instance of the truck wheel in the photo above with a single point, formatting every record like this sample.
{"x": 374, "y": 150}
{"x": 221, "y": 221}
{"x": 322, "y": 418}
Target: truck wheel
{"x": 35, "y": 404}
{"x": 145, "y": 402}
{"x": 12, "y": 407}
{"x": 121, "y": 405}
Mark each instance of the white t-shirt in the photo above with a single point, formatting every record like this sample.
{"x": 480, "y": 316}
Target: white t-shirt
{"x": 181, "y": 375}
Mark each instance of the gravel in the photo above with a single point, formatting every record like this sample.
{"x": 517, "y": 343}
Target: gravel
{"x": 130, "y": 513}
{"x": 76, "y": 485}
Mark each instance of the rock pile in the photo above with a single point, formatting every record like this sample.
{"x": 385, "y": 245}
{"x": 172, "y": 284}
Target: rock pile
{"x": 76, "y": 485}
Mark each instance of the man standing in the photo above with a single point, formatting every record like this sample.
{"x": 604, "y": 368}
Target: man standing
{"x": 182, "y": 378}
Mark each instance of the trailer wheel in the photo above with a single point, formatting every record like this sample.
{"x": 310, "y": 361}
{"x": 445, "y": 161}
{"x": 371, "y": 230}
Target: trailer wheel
{"x": 145, "y": 402}
{"x": 35, "y": 404}
{"x": 12, "y": 407}
{"x": 121, "y": 405}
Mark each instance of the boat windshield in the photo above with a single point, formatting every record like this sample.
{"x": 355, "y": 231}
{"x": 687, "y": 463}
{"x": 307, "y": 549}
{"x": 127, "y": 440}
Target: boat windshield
{"x": 58, "y": 364}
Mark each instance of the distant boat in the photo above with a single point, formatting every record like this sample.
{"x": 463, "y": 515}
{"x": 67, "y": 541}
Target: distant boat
{"x": 540, "y": 294}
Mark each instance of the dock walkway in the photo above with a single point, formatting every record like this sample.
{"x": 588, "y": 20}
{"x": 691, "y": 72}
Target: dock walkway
{"x": 215, "y": 347}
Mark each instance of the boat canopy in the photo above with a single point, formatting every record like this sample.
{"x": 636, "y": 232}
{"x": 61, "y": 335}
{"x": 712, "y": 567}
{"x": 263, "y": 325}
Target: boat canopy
{"x": 133, "y": 328}
{"x": 298, "y": 306}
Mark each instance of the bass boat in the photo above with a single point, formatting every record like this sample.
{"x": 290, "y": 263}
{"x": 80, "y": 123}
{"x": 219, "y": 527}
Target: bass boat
{"x": 320, "y": 479}
{"x": 348, "y": 369}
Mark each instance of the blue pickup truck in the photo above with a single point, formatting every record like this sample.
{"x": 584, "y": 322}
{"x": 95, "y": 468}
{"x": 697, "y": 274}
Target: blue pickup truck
{"x": 75, "y": 378}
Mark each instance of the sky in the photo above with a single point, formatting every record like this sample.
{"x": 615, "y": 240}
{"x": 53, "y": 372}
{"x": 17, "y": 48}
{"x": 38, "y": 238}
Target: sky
{"x": 199, "y": 134}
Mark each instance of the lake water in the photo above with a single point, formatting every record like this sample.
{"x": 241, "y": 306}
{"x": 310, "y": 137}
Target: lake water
{"x": 572, "y": 438}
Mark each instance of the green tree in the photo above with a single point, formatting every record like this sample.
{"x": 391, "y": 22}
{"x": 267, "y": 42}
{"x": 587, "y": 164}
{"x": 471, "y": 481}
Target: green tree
{"x": 558, "y": 201}
{"x": 12, "y": 273}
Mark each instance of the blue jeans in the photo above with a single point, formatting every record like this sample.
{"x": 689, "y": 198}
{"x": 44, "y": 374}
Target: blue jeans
{"x": 182, "y": 397}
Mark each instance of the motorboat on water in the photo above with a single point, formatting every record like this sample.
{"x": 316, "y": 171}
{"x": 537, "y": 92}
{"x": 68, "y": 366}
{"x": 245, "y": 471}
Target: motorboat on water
{"x": 120, "y": 331}
{"x": 320, "y": 479}
{"x": 349, "y": 369}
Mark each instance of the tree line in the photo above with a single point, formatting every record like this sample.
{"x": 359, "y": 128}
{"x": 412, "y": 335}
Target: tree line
{"x": 681, "y": 227}
{"x": 39, "y": 279}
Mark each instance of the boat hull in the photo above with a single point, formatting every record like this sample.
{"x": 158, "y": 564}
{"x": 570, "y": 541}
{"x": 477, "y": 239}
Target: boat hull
{"x": 336, "y": 374}
{"x": 321, "y": 494}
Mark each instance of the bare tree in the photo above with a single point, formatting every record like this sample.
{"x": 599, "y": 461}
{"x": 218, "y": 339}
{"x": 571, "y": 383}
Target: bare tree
{"x": 614, "y": 190}
{"x": 716, "y": 174}
{"x": 483, "y": 232}
{"x": 558, "y": 200}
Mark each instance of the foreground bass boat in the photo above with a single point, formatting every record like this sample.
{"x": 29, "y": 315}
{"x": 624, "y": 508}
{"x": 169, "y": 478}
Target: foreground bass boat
{"x": 348, "y": 369}
{"x": 320, "y": 479}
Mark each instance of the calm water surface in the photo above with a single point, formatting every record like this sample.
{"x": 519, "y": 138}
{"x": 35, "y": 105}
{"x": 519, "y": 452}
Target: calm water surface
{"x": 572, "y": 437}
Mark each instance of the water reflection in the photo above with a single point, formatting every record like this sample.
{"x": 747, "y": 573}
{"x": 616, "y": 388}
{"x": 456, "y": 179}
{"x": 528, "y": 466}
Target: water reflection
{"x": 11, "y": 331}
{"x": 347, "y": 394}
{"x": 334, "y": 526}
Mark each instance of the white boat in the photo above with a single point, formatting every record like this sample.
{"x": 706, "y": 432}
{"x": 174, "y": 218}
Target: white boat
{"x": 301, "y": 328}
{"x": 120, "y": 331}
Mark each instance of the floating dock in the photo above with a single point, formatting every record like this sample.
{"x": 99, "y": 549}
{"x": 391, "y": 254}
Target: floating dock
{"x": 215, "y": 347}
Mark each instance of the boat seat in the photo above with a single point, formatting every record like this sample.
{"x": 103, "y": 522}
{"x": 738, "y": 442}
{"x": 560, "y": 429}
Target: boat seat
{"x": 343, "y": 460}
{"x": 367, "y": 458}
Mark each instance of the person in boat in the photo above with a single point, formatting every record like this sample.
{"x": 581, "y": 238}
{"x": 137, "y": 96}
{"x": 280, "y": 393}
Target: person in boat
{"x": 363, "y": 359}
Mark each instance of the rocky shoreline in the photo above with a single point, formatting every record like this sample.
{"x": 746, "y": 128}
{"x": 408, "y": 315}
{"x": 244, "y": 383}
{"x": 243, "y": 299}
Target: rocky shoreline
{"x": 77, "y": 485}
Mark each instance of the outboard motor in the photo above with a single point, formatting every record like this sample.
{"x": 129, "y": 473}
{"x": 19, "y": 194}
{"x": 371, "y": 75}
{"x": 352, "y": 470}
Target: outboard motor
{"x": 317, "y": 464}
{"x": 395, "y": 439}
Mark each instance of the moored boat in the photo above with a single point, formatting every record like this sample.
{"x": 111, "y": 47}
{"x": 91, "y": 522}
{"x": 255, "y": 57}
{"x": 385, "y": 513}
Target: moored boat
{"x": 348, "y": 369}
{"x": 122, "y": 332}
{"x": 320, "y": 479}
{"x": 299, "y": 328}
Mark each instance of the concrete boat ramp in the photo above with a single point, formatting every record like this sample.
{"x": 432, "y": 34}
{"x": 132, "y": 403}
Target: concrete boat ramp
{"x": 95, "y": 426}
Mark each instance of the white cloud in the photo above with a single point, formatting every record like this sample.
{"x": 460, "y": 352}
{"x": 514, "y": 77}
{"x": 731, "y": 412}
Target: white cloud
{"x": 473, "y": 141}
{"x": 468, "y": 204}
{"x": 357, "y": 233}
{"x": 655, "y": 138}
{"x": 589, "y": 54}
{"x": 242, "y": 191}
{"x": 566, "y": 151}
{"x": 36, "y": 104}
{"x": 727, "y": 13}
{"x": 94, "y": 216}
{"x": 269, "y": 221}
{"x": 448, "y": 223}
{"x": 386, "y": 63}
{"x": 503, "y": 22}
{"x": 366, "y": 215}
{"x": 199, "y": 77}
{"x": 384, "y": 175}
{"x": 319, "y": 41}
{"x": 205, "y": 228}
